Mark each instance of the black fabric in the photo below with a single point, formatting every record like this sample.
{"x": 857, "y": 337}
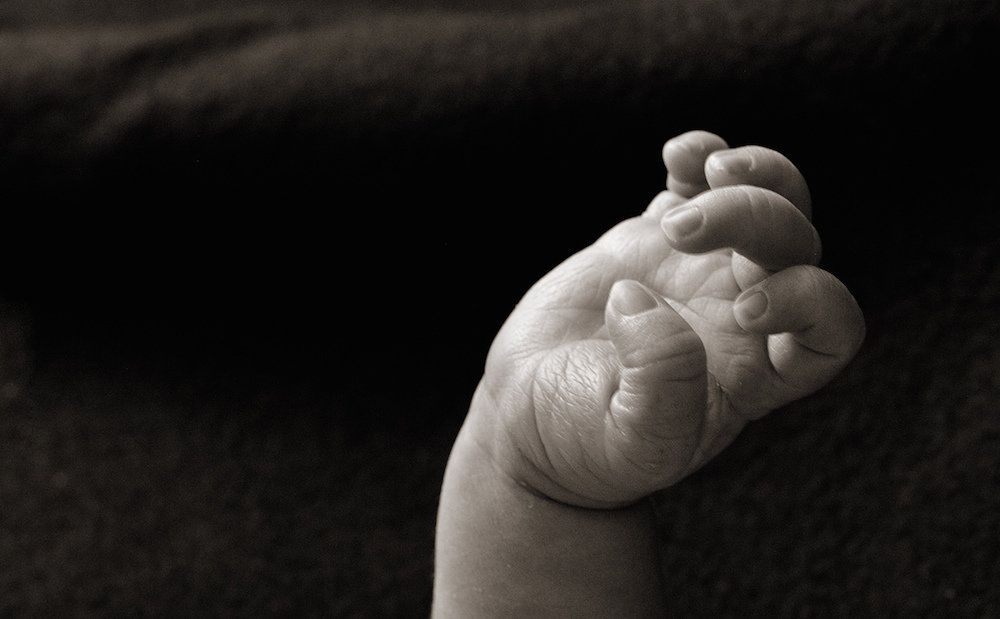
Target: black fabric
{"x": 264, "y": 248}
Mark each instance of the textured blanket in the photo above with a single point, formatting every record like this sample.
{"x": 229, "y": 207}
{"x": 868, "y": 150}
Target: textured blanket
{"x": 263, "y": 247}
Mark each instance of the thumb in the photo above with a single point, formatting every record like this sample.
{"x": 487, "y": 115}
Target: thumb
{"x": 656, "y": 414}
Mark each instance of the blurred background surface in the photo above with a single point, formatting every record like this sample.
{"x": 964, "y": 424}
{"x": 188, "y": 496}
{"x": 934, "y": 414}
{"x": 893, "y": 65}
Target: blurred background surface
{"x": 261, "y": 249}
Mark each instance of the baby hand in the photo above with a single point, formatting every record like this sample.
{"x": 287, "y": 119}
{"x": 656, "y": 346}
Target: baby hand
{"x": 639, "y": 358}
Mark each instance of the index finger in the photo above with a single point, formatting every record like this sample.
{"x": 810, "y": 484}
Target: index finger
{"x": 756, "y": 222}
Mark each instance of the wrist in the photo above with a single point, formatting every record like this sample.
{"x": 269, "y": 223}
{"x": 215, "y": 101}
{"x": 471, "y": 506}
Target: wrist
{"x": 503, "y": 547}
{"x": 514, "y": 448}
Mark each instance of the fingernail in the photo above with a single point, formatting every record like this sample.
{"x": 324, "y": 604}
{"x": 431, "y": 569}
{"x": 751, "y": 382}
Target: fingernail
{"x": 732, "y": 162}
{"x": 630, "y": 298}
{"x": 752, "y": 305}
{"x": 680, "y": 144}
{"x": 682, "y": 222}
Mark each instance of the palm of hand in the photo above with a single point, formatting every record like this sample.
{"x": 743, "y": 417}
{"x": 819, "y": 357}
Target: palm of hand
{"x": 556, "y": 349}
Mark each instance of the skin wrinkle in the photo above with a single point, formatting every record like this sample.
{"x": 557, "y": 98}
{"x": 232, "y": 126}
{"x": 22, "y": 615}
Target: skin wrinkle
{"x": 761, "y": 173}
{"x": 561, "y": 284}
{"x": 493, "y": 454}
{"x": 552, "y": 380}
{"x": 646, "y": 434}
{"x": 638, "y": 237}
{"x": 495, "y": 464}
{"x": 719, "y": 286}
{"x": 713, "y": 289}
{"x": 778, "y": 376}
{"x": 549, "y": 477}
{"x": 525, "y": 344}
{"x": 637, "y": 359}
{"x": 662, "y": 444}
{"x": 744, "y": 364}
{"x": 759, "y": 201}
{"x": 534, "y": 443}
{"x": 567, "y": 367}
{"x": 617, "y": 445}
{"x": 545, "y": 455}
{"x": 714, "y": 413}
{"x": 668, "y": 272}
{"x": 568, "y": 333}
{"x": 764, "y": 208}
{"x": 645, "y": 468}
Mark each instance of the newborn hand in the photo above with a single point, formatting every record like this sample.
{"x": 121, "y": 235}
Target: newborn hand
{"x": 638, "y": 359}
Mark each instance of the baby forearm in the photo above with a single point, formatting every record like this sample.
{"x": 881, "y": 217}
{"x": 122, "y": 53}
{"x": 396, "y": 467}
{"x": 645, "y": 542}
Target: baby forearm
{"x": 503, "y": 550}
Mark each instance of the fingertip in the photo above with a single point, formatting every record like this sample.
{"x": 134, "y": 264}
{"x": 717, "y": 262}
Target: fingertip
{"x": 750, "y": 307}
{"x": 746, "y": 272}
{"x": 629, "y": 298}
{"x": 682, "y": 223}
{"x": 734, "y": 163}
{"x": 645, "y": 329}
{"x": 761, "y": 167}
{"x": 685, "y": 154}
{"x": 808, "y": 302}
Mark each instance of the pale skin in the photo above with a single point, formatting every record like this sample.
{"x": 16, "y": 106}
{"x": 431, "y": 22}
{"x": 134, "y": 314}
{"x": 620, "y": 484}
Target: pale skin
{"x": 623, "y": 370}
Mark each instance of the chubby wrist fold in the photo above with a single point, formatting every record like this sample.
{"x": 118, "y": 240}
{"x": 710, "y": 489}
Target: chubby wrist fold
{"x": 503, "y": 455}
{"x": 501, "y": 542}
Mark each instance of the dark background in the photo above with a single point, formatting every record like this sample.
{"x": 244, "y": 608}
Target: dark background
{"x": 263, "y": 248}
